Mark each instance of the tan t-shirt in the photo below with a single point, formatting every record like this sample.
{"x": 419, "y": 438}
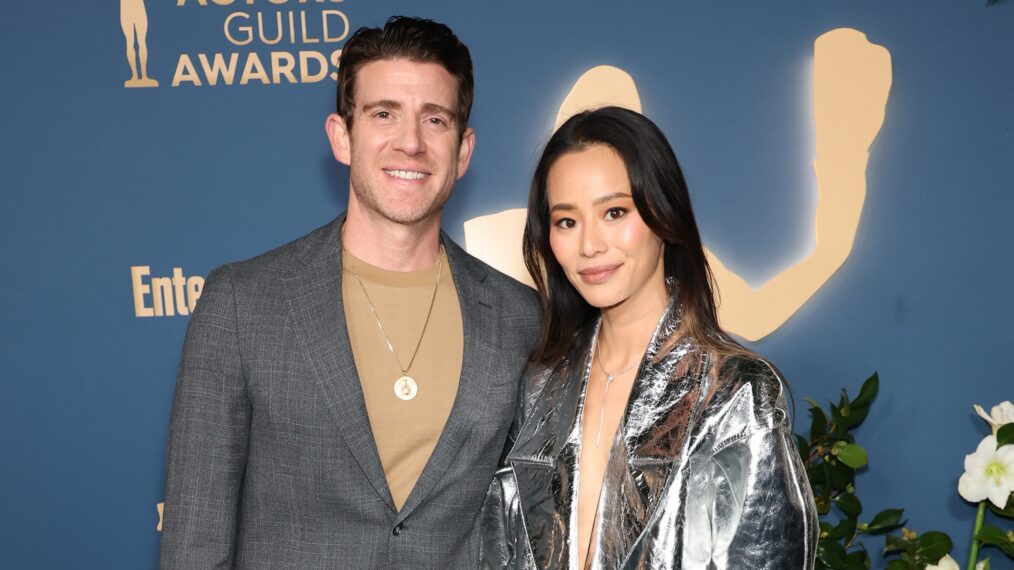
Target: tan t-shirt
{"x": 406, "y": 431}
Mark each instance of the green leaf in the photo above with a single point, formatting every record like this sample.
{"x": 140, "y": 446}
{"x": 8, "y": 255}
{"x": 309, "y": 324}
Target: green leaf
{"x": 991, "y": 534}
{"x": 817, "y": 473}
{"x": 823, "y": 504}
{"x": 1005, "y": 436}
{"x": 838, "y": 421}
{"x": 885, "y": 521}
{"x": 802, "y": 445}
{"x": 868, "y": 392}
{"x": 1007, "y": 511}
{"x": 857, "y": 416}
{"x": 933, "y": 545}
{"x": 857, "y": 560}
{"x": 899, "y": 565}
{"x": 893, "y": 543}
{"x": 843, "y": 404}
{"x": 840, "y": 476}
{"x": 1008, "y": 549}
{"x": 832, "y": 554}
{"x": 849, "y": 504}
{"x": 819, "y": 423}
{"x": 852, "y": 455}
{"x": 845, "y": 529}
{"x": 985, "y": 565}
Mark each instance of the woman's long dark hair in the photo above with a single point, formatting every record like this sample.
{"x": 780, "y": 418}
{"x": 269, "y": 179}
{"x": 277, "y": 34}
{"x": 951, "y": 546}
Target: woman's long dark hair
{"x": 663, "y": 202}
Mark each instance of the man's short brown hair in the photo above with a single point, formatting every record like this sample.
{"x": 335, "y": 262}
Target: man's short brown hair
{"x": 414, "y": 39}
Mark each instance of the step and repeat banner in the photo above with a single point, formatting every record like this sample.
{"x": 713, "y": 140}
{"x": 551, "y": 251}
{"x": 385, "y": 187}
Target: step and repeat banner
{"x": 851, "y": 165}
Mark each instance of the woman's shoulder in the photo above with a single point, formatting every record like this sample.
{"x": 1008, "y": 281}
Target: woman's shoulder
{"x": 747, "y": 367}
{"x": 533, "y": 385}
{"x": 534, "y": 379}
{"x": 750, "y": 386}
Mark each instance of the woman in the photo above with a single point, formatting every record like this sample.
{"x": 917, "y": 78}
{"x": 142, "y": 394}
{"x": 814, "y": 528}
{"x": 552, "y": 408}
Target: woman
{"x": 647, "y": 438}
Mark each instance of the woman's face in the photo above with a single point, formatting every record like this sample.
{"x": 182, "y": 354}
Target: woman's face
{"x": 596, "y": 233}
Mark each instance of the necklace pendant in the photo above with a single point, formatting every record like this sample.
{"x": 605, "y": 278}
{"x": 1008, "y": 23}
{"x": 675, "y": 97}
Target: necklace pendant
{"x": 405, "y": 388}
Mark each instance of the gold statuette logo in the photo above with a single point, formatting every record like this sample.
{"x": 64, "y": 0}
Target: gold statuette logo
{"x": 134, "y": 21}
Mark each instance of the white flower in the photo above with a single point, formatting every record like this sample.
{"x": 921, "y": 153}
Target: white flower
{"x": 1002, "y": 413}
{"x": 946, "y": 563}
{"x": 989, "y": 473}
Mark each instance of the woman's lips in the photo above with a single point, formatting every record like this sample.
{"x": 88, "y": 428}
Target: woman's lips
{"x": 598, "y": 274}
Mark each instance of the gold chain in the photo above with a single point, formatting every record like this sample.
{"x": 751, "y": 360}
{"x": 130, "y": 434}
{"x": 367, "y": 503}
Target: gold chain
{"x": 390, "y": 346}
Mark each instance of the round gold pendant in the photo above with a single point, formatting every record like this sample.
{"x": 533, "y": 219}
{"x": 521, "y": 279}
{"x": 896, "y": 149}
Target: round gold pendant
{"x": 405, "y": 388}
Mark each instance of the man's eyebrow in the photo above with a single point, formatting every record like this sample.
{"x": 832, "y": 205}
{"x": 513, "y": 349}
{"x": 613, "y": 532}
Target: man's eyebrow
{"x": 382, "y": 103}
{"x": 435, "y": 108}
{"x": 390, "y": 104}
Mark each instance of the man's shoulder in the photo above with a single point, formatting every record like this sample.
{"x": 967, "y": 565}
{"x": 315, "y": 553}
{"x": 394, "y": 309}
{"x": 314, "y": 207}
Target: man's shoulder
{"x": 512, "y": 293}
{"x": 274, "y": 264}
{"x": 284, "y": 258}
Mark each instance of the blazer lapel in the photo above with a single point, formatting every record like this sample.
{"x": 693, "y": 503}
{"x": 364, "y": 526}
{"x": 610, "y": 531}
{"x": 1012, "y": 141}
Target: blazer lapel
{"x": 480, "y": 315}
{"x": 315, "y": 302}
{"x": 651, "y": 448}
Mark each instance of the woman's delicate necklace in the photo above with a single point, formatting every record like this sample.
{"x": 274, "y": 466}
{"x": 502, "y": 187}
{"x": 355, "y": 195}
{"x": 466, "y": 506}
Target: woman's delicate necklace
{"x": 609, "y": 380}
{"x": 405, "y": 387}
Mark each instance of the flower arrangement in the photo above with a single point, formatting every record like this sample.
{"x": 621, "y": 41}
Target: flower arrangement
{"x": 832, "y": 457}
{"x": 989, "y": 481}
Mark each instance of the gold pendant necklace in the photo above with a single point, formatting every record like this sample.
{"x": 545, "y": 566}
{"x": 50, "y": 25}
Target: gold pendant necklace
{"x": 405, "y": 387}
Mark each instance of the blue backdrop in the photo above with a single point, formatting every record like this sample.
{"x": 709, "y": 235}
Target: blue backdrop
{"x": 98, "y": 178}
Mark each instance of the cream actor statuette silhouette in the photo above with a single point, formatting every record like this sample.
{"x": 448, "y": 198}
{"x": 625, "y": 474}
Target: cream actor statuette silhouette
{"x": 134, "y": 21}
{"x": 851, "y": 82}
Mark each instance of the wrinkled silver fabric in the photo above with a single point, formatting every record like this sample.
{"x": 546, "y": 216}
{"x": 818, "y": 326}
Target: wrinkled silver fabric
{"x": 703, "y": 473}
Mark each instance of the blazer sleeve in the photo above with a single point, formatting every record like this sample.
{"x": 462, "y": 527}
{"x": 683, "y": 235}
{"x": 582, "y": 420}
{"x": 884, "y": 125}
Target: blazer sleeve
{"x": 503, "y": 544}
{"x": 208, "y": 435}
{"x": 503, "y": 541}
{"x": 764, "y": 510}
{"x": 749, "y": 503}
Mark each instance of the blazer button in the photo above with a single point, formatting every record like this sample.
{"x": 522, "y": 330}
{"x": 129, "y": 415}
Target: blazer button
{"x": 397, "y": 529}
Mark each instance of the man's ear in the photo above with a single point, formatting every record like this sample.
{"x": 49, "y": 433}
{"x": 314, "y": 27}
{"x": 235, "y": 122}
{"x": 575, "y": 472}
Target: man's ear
{"x": 465, "y": 151}
{"x": 338, "y": 136}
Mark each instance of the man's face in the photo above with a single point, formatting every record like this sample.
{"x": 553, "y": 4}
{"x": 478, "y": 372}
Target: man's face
{"x": 403, "y": 150}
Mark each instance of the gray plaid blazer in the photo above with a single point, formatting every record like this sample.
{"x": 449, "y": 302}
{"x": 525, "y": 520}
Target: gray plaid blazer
{"x": 271, "y": 460}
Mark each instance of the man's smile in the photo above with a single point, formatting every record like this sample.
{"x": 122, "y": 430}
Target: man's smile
{"x": 406, "y": 174}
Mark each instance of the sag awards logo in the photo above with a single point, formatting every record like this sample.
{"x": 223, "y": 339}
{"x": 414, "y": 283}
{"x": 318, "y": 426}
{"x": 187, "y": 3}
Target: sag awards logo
{"x": 270, "y": 43}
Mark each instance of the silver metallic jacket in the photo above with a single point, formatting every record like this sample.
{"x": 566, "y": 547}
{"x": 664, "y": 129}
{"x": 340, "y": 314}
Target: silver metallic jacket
{"x": 703, "y": 471}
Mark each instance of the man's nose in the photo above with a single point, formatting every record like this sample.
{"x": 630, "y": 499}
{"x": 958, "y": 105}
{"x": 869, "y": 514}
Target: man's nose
{"x": 409, "y": 138}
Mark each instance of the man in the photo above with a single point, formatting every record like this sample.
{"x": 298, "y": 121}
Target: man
{"x": 343, "y": 400}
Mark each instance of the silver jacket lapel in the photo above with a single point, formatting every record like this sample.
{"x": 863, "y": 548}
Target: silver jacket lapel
{"x": 652, "y": 436}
